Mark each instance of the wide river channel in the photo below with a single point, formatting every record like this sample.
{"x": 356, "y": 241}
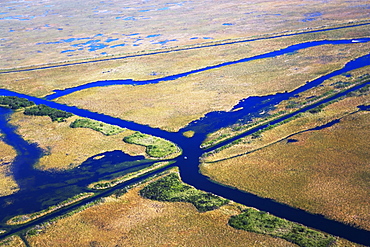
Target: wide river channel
{"x": 40, "y": 189}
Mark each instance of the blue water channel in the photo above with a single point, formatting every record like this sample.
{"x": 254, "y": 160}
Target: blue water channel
{"x": 39, "y": 189}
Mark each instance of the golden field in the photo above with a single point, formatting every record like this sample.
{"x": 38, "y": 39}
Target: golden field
{"x": 67, "y": 147}
{"x": 7, "y": 184}
{"x": 324, "y": 172}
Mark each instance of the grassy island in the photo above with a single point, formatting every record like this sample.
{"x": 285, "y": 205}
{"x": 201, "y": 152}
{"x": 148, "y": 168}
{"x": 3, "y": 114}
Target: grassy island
{"x": 106, "y": 129}
{"x": 155, "y": 147}
{"x": 22, "y": 219}
{"x": 171, "y": 189}
{"x": 44, "y": 110}
{"x": 265, "y": 223}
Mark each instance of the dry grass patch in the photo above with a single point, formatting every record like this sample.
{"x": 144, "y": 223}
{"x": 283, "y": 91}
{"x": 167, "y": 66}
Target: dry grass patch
{"x": 67, "y": 147}
{"x": 324, "y": 172}
{"x": 8, "y": 185}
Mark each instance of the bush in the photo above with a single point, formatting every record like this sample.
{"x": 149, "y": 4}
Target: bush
{"x": 44, "y": 110}
{"x": 14, "y": 102}
{"x": 171, "y": 189}
{"x": 265, "y": 223}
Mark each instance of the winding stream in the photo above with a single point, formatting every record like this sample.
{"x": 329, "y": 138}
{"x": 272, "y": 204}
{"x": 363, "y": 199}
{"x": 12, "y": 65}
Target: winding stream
{"x": 42, "y": 189}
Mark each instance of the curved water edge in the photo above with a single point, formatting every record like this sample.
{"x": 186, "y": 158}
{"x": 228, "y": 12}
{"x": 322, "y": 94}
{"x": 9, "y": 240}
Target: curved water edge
{"x": 189, "y": 48}
{"x": 37, "y": 186}
{"x": 289, "y": 49}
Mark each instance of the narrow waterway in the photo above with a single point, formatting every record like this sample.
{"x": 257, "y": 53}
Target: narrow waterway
{"x": 42, "y": 189}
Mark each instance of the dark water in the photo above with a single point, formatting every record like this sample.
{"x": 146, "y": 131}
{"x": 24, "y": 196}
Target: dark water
{"x": 42, "y": 189}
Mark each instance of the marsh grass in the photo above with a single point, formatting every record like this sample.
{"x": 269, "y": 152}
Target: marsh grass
{"x": 171, "y": 105}
{"x": 155, "y": 147}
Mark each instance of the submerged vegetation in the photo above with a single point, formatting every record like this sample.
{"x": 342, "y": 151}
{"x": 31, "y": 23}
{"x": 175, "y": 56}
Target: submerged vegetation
{"x": 21, "y": 219}
{"x": 171, "y": 189}
{"x": 106, "y": 129}
{"x": 155, "y": 147}
{"x": 44, "y": 110}
{"x": 14, "y": 102}
{"x": 265, "y": 223}
{"x": 105, "y": 184}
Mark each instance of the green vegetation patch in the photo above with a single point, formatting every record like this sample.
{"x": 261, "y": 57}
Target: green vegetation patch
{"x": 155, "y": 147}
{"x": 14, "y": 102}
{"x": 171, "y": 189}
{"x": 106, "y": 129}
{"x": 44, "y": 110}
{"x": 261, "y": 222}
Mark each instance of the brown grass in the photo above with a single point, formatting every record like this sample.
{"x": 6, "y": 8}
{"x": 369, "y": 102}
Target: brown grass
{"x": 7, "y": 184}
{"x": 68, "y": 147}
{"x": 325, "y": 172}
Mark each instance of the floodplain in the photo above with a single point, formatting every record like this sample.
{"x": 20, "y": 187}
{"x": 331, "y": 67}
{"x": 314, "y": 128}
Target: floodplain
{"x": 167, "y": 79}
